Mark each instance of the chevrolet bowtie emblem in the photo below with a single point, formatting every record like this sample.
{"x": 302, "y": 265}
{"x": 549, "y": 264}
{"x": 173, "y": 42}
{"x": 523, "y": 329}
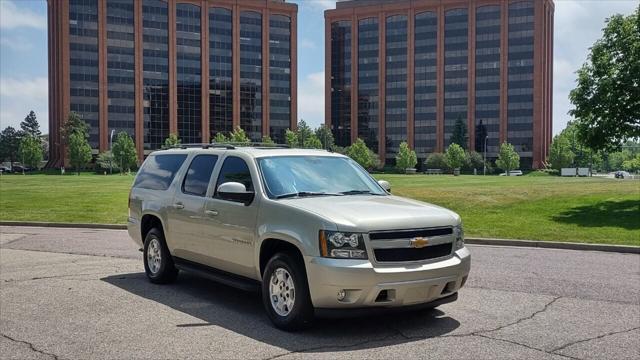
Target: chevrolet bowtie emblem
{"x": 418, "y": 242}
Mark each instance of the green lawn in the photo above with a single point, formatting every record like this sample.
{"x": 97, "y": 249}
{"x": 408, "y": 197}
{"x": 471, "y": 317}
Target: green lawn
{"x": 528, "y": 207}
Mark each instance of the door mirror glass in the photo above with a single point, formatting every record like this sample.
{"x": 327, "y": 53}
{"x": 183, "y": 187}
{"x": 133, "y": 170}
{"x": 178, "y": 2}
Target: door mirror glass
{"x": 235, "y": 191}
{"x": 385, "y": 185}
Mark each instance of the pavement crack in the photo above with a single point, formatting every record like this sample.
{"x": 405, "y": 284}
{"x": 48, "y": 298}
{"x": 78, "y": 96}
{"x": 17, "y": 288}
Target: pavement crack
{"x": 559, "y": 348}
{"x": 31, "y": 346}
{"x": 545, "y": 308}
{"x": 525, "y": 345}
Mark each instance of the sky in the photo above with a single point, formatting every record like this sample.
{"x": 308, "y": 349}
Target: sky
{"x": 23, "y": 55}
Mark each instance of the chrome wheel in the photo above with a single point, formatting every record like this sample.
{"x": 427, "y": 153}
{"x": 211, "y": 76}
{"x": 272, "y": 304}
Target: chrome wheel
{"x": 154, "y": 256}
{"x": 282, "y": 292}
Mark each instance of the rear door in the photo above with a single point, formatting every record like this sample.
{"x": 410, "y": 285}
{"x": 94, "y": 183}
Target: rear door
{"x": 187, "y": 216}
{"x": 231, "y": 225}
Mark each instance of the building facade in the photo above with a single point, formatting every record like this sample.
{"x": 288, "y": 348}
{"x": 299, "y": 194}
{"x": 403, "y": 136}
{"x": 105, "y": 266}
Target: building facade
{"x": 155, "y": 67}
{"x": 408, "y": 70}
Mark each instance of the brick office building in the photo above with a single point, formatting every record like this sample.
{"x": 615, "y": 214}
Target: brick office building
{"x": 407, "y": 70}
{"x": 154, "y": 67}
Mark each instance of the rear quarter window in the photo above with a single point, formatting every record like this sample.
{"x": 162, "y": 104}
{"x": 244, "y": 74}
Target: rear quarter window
{"x": 158, "y": 171}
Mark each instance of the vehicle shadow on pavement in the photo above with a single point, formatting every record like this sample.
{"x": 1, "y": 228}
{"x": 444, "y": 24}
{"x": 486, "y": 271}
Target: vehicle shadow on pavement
{"x": 621, "y": 214}
{"x": 241, "y": 312}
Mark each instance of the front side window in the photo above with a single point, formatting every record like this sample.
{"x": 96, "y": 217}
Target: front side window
{"x": 315, "y": 175}
{"x": 158, "y": 171}
{"x": 235, "y": 169}
{"x": 197, "y": 179}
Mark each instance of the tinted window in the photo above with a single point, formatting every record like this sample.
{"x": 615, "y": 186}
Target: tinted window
{"x": 235, "y": 170}
{"x": 197, "y": 179}
{"x": 158, "y": 171}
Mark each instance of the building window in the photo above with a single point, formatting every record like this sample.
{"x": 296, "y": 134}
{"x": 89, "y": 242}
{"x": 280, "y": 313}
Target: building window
{"x": 279, "y": 76}
{"x": 341, "y": 82}
{"x": 189, "y": 73}
{"x": 83, "y": 70}
{"x": 520, "y": 78}
{"x": 368, "y": 97}
{"x": 251, "y": 74}
{"x": 487, "y": 86}
{"x": 455, "y": 69}
{"x": 120, "y": 67}
{"x": 396, "y": 84}
{"x": 220, "y": 71}
{"x": 425, "y": 85}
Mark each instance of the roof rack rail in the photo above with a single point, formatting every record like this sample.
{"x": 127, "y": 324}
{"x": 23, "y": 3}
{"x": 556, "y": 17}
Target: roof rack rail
{"x": 252, "y": 144}
{"x": 202, "y": 145}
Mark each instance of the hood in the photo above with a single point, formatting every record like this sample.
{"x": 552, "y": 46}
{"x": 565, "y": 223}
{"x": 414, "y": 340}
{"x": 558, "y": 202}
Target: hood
{"x": 370, "y": 213}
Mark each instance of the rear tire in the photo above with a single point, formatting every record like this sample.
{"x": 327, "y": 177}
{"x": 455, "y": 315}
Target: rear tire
{"x": 285, "y": 293}
{"x": 158, "y": 263}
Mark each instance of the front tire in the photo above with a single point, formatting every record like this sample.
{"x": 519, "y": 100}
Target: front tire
{"x": 285, "y": 293}
{"x": 158, "y": 263}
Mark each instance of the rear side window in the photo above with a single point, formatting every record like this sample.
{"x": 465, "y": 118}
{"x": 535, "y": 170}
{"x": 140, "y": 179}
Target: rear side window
{"x": 197, "y": 179}
{"x": 235, "y": 169}
{"x": 158, "y": 171}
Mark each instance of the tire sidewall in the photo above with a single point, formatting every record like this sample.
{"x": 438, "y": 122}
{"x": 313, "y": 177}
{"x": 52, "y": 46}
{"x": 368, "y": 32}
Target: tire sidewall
{"x": 302, "y": 312}
{"x": 164, "y": 255}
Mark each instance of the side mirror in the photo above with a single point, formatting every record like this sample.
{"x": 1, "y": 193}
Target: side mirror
{"x": 234, "y": 191}
{"x": 385, "y": 185}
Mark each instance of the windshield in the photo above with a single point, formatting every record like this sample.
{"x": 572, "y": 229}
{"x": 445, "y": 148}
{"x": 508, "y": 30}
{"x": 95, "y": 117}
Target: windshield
{"x": 298, "y": 176}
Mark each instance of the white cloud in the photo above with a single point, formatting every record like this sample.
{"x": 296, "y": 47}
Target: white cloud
{"x": 307, "y": 44}
{"x": 322, "y": 4}
{"x": 17, "y": 44}
{"x": 13, "y": 16}
{"x": 19, "y": 96}
{"x": 311, "y": 99}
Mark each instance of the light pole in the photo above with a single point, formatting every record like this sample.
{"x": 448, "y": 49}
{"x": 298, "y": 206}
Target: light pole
{"x": 110, "y": 145}
{"x": 484, "y": 163}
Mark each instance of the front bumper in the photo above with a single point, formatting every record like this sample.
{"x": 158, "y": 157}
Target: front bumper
{"x": 366, "y": 285}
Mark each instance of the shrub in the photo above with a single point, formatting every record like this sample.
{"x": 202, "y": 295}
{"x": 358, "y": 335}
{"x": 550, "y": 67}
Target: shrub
{"x": 172, "y": 141}
{"x": 473, "y": 160}
{"x": 436, "y": 161}
{"x": 239, "y": 136}
{"x": 220, "y": 138}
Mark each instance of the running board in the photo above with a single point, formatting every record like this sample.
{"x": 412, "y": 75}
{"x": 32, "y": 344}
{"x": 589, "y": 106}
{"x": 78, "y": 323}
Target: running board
{"x": 223, "y": 277}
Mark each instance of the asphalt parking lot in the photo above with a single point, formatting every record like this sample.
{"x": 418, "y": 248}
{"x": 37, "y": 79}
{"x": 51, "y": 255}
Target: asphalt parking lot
{"x": 81, "y": 293}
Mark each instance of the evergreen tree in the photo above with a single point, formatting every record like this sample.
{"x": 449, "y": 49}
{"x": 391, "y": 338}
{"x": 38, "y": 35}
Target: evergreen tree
{"x": 459, "y": 134}
{"x": 481, "y": 137}
{"x": 30, "y": 125}
{"x": 304, "y": 132}
{"x": 74, "y": 125}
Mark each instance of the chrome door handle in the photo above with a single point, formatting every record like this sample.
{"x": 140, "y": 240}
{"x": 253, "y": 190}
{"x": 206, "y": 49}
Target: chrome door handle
{"x": 211, "y": 212}
{"x": 178, "y": 206}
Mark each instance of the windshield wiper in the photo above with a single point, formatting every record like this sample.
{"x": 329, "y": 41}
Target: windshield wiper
{"x": 305, "y": 194}
{"x": 357, "y": 192}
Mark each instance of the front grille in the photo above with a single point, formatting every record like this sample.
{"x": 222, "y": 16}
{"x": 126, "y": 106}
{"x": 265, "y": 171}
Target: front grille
{"x": 412, "y": 254}
{"x": 407, "y": 234}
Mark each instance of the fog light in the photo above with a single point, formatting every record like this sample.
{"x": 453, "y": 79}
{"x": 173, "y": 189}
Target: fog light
{"x": 341, "y": 295}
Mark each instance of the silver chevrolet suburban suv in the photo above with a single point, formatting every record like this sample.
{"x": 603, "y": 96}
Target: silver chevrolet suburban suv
{"x": 310, "y": 229}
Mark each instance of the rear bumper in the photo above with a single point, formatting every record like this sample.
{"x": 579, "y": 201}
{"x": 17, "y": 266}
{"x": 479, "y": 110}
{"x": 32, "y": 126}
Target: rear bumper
{"x": 367, "y": 286}
{"x": 133, "y": 228}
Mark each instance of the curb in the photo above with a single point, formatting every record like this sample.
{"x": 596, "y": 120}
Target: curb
{"x": 64, "y": 225}
{"x": 625, "y": 249}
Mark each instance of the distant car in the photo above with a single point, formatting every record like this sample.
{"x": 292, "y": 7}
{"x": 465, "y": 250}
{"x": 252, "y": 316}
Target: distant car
{"x": 21, "y": 168}
{"x": 622, "y": 175}
{"x": 5, "y": 169}
{"x": 512, "y": 173}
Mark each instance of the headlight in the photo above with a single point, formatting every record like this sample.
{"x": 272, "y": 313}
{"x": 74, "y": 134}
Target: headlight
{"x": 335, "y": 244}
{"x": 458, "y": 231}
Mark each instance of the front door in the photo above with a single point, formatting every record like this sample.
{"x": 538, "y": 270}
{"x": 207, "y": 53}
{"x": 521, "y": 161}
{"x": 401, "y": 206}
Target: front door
{"x": 231, "y": 225}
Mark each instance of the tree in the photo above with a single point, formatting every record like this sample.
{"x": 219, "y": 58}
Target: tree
{"x": 239, "y": 136}
{"x": 79, "y": 150}
{"x": 304, "y": 132}
{"x": 455, "y": 156}
{"x": 30, "y": 125}
{"x": 172, "y": 141}
{"x": 10, "y": 144}
{"x": 268, "y": 141}
{"x": 436, "y": 161}
{"x": 106, "y": 161}
{"x": 323, "y": 133}
{"x": 74, "y": 125}
{"x": 30, "y": 151}
{"x": 312, "y": 142}
{"x": 124, "y": 152}
{"x": 473, "y": 160}
{"x": 220, "y": 138}
{"x": 360, "y": 153}
{"x": 406, "y": 158}
{"x": 481, "y": 136}
{"x": 560, "y": 154}
{"x": 607, "y": 98}
{"x": 632, "y": 165}
{"x": 459, "y": 134}
{"x": 508, "y": 158}
{"x": 292, "y": 138}
{"x": 618, "y": 158}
